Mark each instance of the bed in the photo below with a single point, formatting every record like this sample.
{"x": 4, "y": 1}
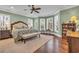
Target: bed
{"x": 21, "y": 31}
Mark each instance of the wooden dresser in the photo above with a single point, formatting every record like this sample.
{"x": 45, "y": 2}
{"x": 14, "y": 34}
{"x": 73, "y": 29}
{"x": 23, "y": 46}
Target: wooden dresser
{"x": 66, "y": 27}
{"x": 73, "y": 42}
{"x": 64, "y": 42}
{"x": 4, "y": 34}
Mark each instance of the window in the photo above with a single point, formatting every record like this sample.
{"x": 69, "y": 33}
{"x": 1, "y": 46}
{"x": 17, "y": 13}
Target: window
{"x": 49, "y": 24}
{"x": 5, "y": 22}
{"x": 56, "y": 23}
{"x": 30, "y": 23}
{"x": 36, "y": 24}
{"x": 42, "y": 24}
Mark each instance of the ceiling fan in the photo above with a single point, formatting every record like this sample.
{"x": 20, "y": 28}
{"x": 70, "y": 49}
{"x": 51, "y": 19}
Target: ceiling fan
{"x": 34, "y": 9}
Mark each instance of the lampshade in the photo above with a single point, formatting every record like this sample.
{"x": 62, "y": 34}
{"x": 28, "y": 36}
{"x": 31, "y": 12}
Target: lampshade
{"x": 74, "y": 19}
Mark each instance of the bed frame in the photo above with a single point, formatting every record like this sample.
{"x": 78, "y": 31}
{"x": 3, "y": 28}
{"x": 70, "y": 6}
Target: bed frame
{"x": 25, "y": 36}
{"x": 17, "y": 23}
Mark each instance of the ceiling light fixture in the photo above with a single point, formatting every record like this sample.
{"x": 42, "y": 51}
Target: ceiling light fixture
{"x": 12, "y": 7}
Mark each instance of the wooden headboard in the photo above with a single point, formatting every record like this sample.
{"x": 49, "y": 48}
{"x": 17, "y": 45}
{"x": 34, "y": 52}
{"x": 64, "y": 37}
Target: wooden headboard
{"x": 18, "y": 23}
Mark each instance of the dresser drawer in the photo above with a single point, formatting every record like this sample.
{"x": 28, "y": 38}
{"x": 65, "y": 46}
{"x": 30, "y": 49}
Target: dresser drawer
{"x": 5, "y": 34}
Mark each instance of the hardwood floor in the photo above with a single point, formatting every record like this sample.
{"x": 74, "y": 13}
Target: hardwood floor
{"x": 52, "y": 46}
{"x": 31, "y": 45}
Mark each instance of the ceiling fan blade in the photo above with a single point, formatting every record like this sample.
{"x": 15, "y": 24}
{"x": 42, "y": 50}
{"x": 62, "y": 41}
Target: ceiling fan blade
{"x": 36, "y": 11}
{"x": 37, "y": 8}
{"x": 33, "y": 7}
{"x": 31, "y": 11}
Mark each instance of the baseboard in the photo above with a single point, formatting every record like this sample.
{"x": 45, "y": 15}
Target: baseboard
{"x": 52, "y": 33}
{"x": 58, "y": 35}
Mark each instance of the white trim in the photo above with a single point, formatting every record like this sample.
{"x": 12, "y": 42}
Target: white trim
{"x": 69, "y": 7}
{"x": 57, "y": 35}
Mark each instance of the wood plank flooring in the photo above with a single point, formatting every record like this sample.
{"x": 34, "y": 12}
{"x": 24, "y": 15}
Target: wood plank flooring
{"x": 52, "y": 46}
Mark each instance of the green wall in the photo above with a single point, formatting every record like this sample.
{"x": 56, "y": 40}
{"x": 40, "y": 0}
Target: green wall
{"x": 65, "y": 15}
{"x": 56, "y": 32}
{"x": 15, "y": 17}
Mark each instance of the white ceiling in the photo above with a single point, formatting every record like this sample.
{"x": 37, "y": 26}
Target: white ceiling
{"x": 46, "y": 10}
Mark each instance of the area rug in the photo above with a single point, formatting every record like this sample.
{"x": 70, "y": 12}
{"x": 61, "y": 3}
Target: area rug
{"x": 31, "y": 45}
